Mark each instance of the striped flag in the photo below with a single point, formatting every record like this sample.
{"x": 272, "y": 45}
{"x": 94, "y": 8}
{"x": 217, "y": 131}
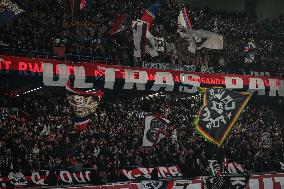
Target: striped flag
{"x": 184, "y": 21}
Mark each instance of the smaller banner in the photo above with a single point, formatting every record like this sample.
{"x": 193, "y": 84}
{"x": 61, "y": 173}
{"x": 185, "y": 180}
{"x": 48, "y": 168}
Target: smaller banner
{"x": 44, "y": 178}
{"x": 168, "y": 66}
{"x": 156, "y": 128}
{"x": 145, "y": 173}
{"x": 220, "y": 110}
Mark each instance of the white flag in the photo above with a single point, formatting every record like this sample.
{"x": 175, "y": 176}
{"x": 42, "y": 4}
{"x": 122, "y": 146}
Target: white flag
{"x": 151, "y": 45}
{"x": 139, "y": 37}
{"x": 201, "y": 38}
{"x": 207, "y": 39}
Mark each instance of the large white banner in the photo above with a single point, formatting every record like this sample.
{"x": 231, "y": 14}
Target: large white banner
{"x": 57, "y": 73}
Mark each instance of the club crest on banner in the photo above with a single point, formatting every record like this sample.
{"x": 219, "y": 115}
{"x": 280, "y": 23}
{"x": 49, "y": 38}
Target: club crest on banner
{"x": 155, "y": 130}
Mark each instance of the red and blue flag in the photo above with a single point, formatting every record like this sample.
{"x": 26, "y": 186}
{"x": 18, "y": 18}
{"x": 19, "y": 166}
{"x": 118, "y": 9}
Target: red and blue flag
{"x": 150, "y": 14}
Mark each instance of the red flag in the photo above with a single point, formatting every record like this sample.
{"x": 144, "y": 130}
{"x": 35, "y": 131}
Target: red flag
{"x": 117, "y": 26}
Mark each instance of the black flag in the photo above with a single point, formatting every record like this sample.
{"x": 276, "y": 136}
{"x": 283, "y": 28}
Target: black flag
{"x": 220, "y": 110}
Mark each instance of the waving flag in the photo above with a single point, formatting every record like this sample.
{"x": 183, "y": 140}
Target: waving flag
{"x": 183, "y": 20}
{"x": 8, "y": 11}
{"x": 84, "y": 104}
{"x": 198, "y": 39}
{"x": 155, "y": 130}
{"x": 139, "y": 37}
{"x": 150, "y": 14}
{"x": 220, "y": 110}
{"x": 121, "y": 23}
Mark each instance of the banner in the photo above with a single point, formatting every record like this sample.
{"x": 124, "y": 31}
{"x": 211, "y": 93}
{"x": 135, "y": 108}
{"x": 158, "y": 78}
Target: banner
{"x": 227, "y": 182}
{"x": 155, "y": 130}
{"x": 41, "y": 178}
{"x": 123, "y": 185}
{"x": 56, "y": 73}
{"x": 168, "y": 66}
{"x": 153, "y": 184}
{"x": 186, "y": 184}
{"x": 8, "y": 11}
{"x": 220, "y": 110}
{"x": 177, "y": 184}
{"x": 145, "y": 173}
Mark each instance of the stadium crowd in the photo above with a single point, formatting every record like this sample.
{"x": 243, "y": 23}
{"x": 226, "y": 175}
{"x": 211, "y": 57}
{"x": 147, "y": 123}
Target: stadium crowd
{"x": 48, "y": 140}
{"x": 48, "y": 23}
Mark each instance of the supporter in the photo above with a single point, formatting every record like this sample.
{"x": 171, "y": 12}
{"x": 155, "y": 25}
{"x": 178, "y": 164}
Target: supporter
{"x": 113, "y": 140}
{"x": 88, "y": 34}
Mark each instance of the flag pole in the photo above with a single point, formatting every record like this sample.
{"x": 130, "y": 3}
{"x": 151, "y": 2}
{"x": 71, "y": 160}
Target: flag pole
{"x": 211, "y": 159}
